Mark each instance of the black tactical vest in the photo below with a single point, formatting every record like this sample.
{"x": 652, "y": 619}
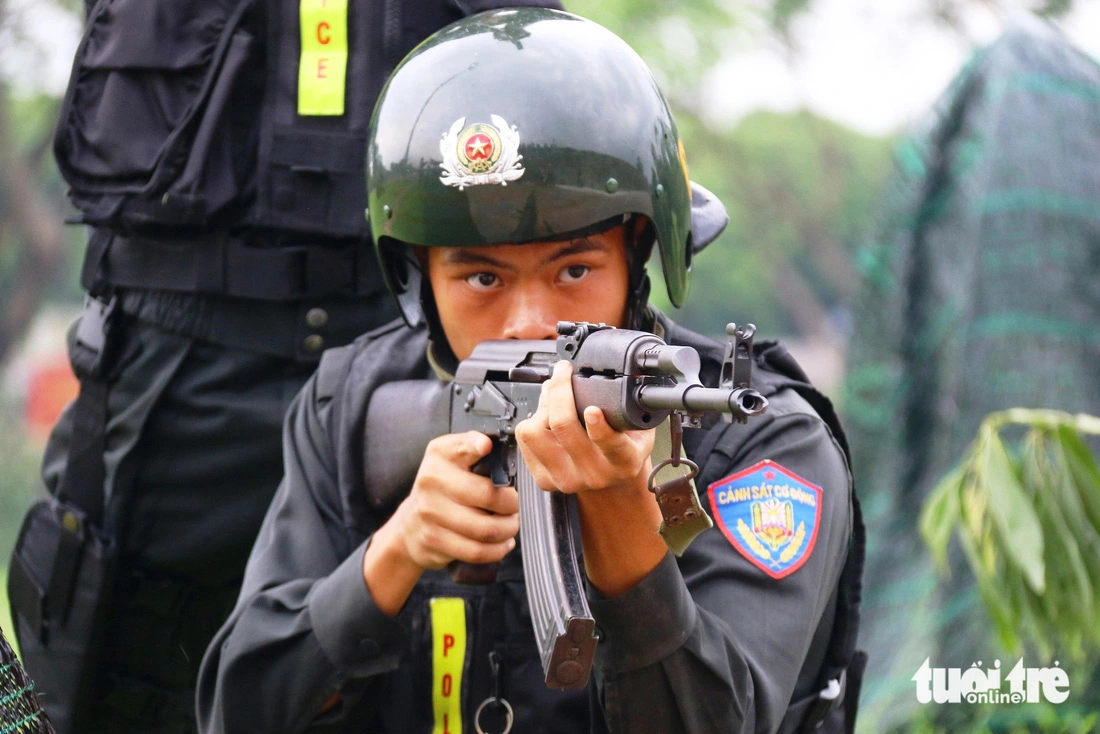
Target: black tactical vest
{"x": 231, "y": 114}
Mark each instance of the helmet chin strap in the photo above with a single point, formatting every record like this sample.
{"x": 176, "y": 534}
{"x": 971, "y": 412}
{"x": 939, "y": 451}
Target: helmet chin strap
{"x": 440, "y": 347}
{"x": 404, "y": 278}
{"x": 638, "y": 315}
{"x": 639, "y": 245}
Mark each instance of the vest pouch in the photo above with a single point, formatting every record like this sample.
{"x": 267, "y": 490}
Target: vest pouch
{"x": 314, "y": 183}
{"x": 147, "y": 134}
{"x": 61, "y": 574}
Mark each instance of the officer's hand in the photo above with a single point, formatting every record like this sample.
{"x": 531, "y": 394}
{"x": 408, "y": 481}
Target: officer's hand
{"x": 452, "y": 513}
{"x": 563, "y": 454}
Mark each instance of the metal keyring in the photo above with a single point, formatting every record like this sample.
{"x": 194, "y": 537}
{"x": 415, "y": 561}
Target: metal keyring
{"x": 693, "y": 471}
{"x": 508, "y": 715}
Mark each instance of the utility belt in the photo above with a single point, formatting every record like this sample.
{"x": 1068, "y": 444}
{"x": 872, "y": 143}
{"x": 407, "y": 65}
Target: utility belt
{"x": 219, "y": 263}
{"x": 289, "y": 301}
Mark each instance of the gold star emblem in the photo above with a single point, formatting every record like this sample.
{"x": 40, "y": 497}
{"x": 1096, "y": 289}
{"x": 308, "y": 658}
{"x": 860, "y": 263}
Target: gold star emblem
{"x": 475, "y": 149}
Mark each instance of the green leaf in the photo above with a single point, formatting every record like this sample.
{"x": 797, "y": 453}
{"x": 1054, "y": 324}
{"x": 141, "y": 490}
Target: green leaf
{"x": 997, "y": 603}
{"x": 1030, "y": 530}
{"x": 1079, "y": 483}
{"x": 1012, "y": 512}
{"x": 973, "y": 502}
{"x": 940, "y": 514}
{"x": 1069, "y": 595}
{"x": 1082, "y": 465}
{"x": 1064, "y": 487}
{"x": 1075, "y": 498}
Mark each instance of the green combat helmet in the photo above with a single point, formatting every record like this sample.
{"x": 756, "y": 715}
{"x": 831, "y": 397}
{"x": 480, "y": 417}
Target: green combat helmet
{"x": 524, "y": 125}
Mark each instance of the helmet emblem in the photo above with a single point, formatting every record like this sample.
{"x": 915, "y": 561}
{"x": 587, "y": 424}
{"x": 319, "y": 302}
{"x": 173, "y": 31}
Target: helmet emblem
{"x": 480, "y": 154}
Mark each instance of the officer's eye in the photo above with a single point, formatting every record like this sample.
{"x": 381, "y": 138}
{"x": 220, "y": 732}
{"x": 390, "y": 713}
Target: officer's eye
{"x": 573, "y": 273}
{"x": 483, "y": 281}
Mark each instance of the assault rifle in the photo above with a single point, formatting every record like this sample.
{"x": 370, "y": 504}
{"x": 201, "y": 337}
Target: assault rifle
{"x": 634, "y": 377}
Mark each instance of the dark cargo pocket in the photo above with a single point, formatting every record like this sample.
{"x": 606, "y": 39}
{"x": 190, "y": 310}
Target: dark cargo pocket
{"x": 145, "y": 116}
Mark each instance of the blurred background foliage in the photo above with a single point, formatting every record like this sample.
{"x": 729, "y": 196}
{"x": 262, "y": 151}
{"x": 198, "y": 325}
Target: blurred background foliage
{"x": 980, "y": 295}
{"x": 798, "y": 187}
{"x": 799, "y": 190}
{"x": 19, "y": 485}
{"x": 806, "y": 199}
{"x": 1024, "y": 506}
{"x": 1027, "y": 515}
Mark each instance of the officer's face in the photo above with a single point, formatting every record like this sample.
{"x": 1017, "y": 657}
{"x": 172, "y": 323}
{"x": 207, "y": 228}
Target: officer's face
{"x": 523, "y": 291}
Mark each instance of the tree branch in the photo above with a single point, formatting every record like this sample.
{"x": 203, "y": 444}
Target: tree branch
{"x": 38, "y": 229}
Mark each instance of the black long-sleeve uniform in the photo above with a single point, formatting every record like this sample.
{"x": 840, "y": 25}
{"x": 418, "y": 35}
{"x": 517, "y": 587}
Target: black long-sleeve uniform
{"x": 721, "y": 639}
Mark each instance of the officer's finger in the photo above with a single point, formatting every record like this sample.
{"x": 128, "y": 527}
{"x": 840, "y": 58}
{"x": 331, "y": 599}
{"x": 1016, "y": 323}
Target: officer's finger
{"x": 561, "y": 409}
{"x": 435, "y": 546}
{"x": 502, "y": 500}
{"x": 474, "y": 490}
{"x": 479, "y": 525}
{"x": 440, "y": 477}
{"x": 538, "y": 469}
{"x": 619, "y": 448}
{"x": 471, "y": 551}
{"x": 461, "y": 449}
{"x": 543, "y": 455}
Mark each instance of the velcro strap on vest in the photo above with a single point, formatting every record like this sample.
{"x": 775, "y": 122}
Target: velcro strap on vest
{"x": 223, "y": 265}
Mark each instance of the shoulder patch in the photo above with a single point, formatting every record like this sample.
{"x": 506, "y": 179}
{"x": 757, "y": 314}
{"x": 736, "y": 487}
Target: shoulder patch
{"x": 769, "y": 514}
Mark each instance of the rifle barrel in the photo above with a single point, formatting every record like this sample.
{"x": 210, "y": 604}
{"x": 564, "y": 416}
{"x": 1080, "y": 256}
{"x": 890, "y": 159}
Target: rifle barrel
{"x": 698, "y": 399}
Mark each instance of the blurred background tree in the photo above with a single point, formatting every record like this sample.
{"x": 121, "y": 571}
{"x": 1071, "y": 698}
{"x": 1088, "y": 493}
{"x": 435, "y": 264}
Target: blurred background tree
{"x": 979, "y": 295}
{"x": 798, "y": 187}
{"x": 802, "y": 190}
{"x": 39, "y": 260}
{"x": 36, "y": 249}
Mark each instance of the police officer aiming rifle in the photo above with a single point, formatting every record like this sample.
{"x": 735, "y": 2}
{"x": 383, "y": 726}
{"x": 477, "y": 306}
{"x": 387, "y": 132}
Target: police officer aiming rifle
{"x": 522, "y": 165}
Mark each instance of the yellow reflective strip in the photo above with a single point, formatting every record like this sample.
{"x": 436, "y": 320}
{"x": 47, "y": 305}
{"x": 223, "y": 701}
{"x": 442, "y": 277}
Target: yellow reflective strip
{"x": 448, "y": 658}
{"x": 322, "y": 70}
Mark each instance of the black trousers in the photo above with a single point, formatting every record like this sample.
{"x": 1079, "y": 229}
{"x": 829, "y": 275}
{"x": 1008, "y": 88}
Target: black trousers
{"x": 193, "y": 456}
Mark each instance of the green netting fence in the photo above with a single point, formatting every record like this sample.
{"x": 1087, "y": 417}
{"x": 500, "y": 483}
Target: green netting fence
{"x": 20, "y": 712}
{"x": 981, "y": 293}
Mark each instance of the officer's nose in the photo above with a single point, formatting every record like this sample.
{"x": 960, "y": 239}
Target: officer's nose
{"x": 531, "y": 316}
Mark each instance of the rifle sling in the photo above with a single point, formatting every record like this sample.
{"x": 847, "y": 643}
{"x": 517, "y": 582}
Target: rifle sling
{"x": 681, "y": 521}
